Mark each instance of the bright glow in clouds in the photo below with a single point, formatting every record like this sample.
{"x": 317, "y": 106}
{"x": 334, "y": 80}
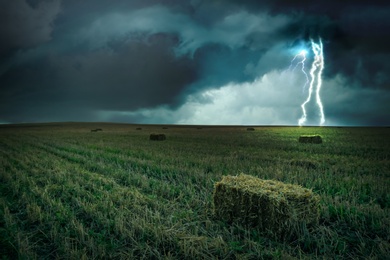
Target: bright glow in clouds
{"x": 265, "y": 101}
{"x": 316, "y": 77}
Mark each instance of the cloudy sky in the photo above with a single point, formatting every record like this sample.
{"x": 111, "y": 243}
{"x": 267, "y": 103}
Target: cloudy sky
{"x": 193, "y": 61}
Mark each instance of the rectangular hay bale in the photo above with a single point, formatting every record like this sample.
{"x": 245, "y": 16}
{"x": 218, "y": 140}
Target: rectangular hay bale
{"x": 313, "y": 139}
{"x": 274, "y": 207}
{"x": 157, "y": 137}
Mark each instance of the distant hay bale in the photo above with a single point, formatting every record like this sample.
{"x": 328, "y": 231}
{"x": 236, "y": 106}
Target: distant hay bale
{"x": 313, "y": 139}
{"x": 138, "y": 128}
{"x": 277, "y": 209}
{"x": 93, "y": 130}
{"x": 165, "y": 128}
{"x": 250, "y": 129}
{"x": 98, "y": 129}
{"x": 157, "y": 137}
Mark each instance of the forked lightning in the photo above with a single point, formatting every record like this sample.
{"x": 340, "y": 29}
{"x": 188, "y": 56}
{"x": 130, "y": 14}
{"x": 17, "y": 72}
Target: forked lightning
{"x": 316, "y": 79}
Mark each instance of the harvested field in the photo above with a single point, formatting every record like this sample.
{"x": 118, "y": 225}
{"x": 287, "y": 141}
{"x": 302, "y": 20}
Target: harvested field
{"x": 68, "y": 193}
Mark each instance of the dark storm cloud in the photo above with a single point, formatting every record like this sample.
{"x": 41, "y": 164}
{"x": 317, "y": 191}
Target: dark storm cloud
{"x": 141, "y": 72}
{"x": 74, "y": 60}
{"x": 78, "y": 65}
{"x": 24, "y": 24}
{"x": 120, "y": 57}
{"x": 133, "y": 74}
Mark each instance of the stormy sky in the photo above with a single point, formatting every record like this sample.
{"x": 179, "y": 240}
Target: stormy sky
{"x": 192, "y": 61}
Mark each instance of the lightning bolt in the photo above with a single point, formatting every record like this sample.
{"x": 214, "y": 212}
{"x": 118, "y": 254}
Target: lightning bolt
{"x": 302, "y": 63}
{"x": 316, "y": 76}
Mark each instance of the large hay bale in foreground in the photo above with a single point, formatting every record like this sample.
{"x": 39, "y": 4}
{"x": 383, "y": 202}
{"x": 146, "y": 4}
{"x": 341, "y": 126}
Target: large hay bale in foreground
{"x": 314, "y": 139}
{"x": 278, "y": 209}
{"x": 157, "y": 137}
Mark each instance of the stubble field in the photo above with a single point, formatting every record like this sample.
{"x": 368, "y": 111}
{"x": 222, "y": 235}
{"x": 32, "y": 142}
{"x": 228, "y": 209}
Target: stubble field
{"x": 67, "y": 192}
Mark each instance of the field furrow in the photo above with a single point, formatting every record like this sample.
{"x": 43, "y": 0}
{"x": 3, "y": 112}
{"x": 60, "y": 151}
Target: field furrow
{"x": 82, "y": 206}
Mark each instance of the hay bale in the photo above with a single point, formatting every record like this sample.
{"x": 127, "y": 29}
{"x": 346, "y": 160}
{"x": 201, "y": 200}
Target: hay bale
{"x": 250, "y": 129}
{"x": 98, "y": 129}
{"x": 313, "y": 139}
{"x": 277, "y": 209}
{"x": 157, "y": 137}
{"x": 138, "y": 128}
{"x": 93, "y": 130}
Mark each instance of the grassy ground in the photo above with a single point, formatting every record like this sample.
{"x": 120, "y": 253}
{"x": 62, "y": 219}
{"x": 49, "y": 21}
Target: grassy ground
{"x": 67, "y": 192}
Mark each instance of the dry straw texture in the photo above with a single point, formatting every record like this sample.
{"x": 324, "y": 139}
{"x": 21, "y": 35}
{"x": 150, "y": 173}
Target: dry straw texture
{"x": 314, "y": 139}
{"x": 157, "y": 137}
{"x": 278, "y": 209}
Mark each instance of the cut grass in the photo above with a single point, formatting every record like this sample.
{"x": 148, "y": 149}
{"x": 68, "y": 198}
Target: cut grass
{"x": 69, "y": 193}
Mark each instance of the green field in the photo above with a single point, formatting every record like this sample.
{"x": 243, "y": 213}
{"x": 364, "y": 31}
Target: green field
{"x": 67, "y": 192}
